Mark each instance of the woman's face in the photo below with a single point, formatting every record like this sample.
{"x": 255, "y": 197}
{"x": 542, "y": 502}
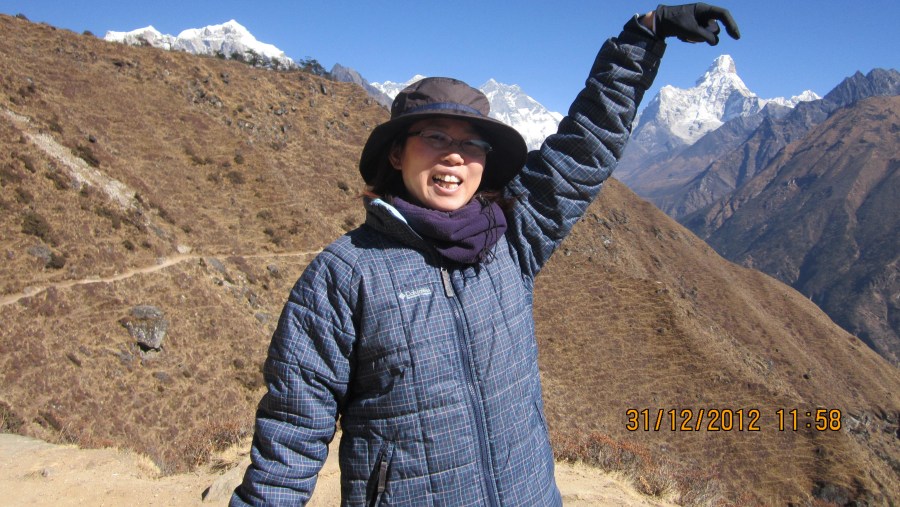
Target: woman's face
{"x": 442, "y": 179}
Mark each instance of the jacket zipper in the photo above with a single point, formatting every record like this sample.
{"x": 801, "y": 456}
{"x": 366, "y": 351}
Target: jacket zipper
{"x": 468, "y": 370}
{"x": 382, "y": 481}
{"x": 381, "y": 485}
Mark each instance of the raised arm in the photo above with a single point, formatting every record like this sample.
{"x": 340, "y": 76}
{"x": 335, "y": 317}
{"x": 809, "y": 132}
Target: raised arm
{"x": 561, "y": 179}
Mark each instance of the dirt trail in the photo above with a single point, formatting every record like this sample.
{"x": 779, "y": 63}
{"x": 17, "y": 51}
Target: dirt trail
{"x": 37, "y": 473}
{"x": 162, "y": 263}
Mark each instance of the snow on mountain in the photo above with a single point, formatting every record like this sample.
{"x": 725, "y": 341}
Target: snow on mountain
{"x": 512, "y": 106}
{"x": 230, "y": 40}
{"x": 509, "y": 104}
{"x": 718, "y": 96}
{"x": 148, "y": 36}
{"x": 807, "y": 96}
{"x": 391, "y": 89}
{"x": 676, "y": 117}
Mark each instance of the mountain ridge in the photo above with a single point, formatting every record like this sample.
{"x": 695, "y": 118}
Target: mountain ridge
{"x": 807, "y": 218}
{"x": 677, "y": 118}
{"x": 228, "y": 40}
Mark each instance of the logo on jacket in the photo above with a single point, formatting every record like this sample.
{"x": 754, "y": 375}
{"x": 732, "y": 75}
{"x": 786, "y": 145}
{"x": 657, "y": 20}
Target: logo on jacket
{"x": 415, "y": 293}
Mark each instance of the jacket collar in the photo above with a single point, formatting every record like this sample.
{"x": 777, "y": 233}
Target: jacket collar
{"x": 383, "y": 217}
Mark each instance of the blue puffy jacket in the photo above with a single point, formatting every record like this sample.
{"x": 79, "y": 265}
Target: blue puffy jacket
{"x": 432, "y": 366}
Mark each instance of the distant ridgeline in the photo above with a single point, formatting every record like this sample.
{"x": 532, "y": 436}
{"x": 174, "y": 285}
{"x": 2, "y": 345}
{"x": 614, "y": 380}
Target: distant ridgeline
{"x": 229, "y": 40}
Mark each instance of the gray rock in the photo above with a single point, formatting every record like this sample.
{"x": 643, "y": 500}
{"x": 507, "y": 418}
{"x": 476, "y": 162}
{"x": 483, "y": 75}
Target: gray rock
{"x": 216, "y": 264}
{"x": 41, "y": 252}
{"x": 147, "y": 325}
{"x": 219, "y": 492}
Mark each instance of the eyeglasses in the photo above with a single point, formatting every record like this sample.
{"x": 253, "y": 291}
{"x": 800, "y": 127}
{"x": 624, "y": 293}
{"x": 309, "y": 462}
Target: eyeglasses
{"x": 441, "y": 141}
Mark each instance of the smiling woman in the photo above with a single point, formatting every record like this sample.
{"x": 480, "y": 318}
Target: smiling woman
{"x": 416, "y": 329}
{"x": 439, "y": 172}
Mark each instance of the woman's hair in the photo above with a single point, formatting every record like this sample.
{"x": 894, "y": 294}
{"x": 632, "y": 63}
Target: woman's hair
{"x": 388, "y": 181}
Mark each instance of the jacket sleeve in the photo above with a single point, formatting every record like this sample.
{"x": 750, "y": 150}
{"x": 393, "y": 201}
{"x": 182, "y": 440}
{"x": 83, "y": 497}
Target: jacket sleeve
{"x": 562, "y": 178}
{"x": 306, "y": 372}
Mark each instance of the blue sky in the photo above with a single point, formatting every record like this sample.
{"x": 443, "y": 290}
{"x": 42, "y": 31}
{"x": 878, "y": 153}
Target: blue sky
{"x": 546, "y": 47}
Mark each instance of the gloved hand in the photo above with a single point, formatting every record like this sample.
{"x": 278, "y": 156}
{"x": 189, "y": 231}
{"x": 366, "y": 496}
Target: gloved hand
{"x": 694, "y": 22}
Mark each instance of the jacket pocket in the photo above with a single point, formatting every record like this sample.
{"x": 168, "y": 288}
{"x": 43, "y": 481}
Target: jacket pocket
{"x": 379, "y": 479}
{"x": 376, "y": 376}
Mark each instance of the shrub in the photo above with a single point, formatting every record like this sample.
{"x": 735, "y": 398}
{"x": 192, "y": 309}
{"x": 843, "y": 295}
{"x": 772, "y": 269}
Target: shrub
{"x": 29, "y": 163}
{"x": 215, "y": 436}
{"x": 87, "y": 154}
{"x": 27, "y": 90}
{"x": 604, "y": 452}
{"x": 114, "y": 218}
{"x": 36, "y": 225}
{"x": 56, "y": 261}
{"x": 235, "y": 177}
{"x": 9, "y": 420}
{"x": 53, "y": 125}
{"x": 164, "y": 213}
{"x": 59, "y": 180}
{"x": 23, "y": 196}
{"x": 9, "y": 174}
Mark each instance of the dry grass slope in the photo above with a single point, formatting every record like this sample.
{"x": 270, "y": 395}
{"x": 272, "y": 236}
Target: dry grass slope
{"x": 637, "y": 313}
{"x": 133, "y": 176}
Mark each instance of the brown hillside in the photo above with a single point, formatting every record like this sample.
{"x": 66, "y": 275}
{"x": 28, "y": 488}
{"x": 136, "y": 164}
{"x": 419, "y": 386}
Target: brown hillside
{"x": 822, "y": 217}
{"x": 201, "y": 187}
{"x": 637, "y": 313}
{"x": 116, "y": 161}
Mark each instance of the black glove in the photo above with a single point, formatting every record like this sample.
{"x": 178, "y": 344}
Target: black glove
{"x": 694, "y": 22}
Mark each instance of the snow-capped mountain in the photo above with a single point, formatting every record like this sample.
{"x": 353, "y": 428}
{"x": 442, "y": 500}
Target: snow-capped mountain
{"x": 391, "y": 89}
{"x": 512, "y": 106}
{"x": 229, "y": 40}
{"x": 688, "y": 114}
{"x": 509, "y": 104}
{"x": 718, "y": 96}
{"x": 676, "y": 117}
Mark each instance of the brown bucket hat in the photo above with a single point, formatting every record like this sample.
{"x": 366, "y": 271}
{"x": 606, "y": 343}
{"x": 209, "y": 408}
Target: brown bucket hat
{"x": 448, "y": 97}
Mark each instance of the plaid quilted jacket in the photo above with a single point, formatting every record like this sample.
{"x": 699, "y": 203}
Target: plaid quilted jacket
{"x": 432, "y": 366}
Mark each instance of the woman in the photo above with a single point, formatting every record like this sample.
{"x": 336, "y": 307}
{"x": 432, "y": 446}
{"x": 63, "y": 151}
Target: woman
{"x": 416, "y": 328}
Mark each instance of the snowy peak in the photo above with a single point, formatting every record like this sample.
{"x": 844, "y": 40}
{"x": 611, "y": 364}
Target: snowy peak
{"x": 391, "y": 89}
{"x": 514, "y": 107}
{"x": 718, "y": 96}
{"x": 228, "y": 40}
{"x": 723, "y": 65}
{"x": 509, "y": 104}
{"x": 677, "y": 117}
{"x": 148, "y": 36}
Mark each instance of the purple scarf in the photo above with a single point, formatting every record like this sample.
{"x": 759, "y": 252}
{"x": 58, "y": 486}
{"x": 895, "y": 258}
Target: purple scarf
{"x": 465, "y": 235}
